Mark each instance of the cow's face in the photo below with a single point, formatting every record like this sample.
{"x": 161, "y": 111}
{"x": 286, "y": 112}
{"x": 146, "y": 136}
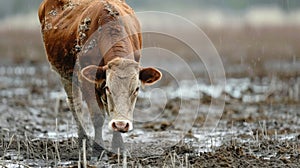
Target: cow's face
{"x": 119, "y": 82}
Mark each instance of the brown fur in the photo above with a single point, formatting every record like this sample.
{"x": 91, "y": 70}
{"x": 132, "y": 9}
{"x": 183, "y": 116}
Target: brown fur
{"x": 60, "y": 21}
{"x": 95, "y": 46}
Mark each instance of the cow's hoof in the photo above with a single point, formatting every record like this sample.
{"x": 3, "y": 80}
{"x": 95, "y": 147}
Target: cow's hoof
{"x": 99, "y": 151}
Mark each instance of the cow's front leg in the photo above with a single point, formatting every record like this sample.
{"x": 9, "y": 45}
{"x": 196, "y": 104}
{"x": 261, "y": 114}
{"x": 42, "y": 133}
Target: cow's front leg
{"x": 74, "y": 102}
{"x": 98, "y": 117}
{"x": 98, "y": 121}
{"x": 117, "y": 142}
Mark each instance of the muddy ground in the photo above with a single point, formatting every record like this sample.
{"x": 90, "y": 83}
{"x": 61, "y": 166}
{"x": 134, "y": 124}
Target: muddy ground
{"x": 37, "y": 128}
{"x": 259, "y": 126}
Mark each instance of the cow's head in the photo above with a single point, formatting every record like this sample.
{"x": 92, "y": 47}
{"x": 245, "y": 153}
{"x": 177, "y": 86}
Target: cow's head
{"x": 118, "y": 84}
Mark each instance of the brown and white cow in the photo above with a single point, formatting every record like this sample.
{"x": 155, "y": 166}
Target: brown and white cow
{"x": 94, "y": 45}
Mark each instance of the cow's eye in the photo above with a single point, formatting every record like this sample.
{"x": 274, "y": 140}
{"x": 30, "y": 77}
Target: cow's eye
{"x": 136, "y": 91}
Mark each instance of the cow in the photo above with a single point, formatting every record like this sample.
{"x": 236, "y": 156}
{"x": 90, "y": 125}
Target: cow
{"x": 95, "y": 47}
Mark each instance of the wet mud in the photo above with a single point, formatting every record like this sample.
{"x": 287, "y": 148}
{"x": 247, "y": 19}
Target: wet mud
{"x": 260, "y": 125}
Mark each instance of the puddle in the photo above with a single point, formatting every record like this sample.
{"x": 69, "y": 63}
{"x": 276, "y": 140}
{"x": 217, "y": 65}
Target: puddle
{"x": 237, "y": 88}
{"x": 209, "y": 141}
{"x": 257, "y": 111}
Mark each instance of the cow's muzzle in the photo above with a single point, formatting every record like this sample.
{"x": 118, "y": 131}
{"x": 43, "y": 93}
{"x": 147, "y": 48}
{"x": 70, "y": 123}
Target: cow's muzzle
{"x": 120, "y": 125}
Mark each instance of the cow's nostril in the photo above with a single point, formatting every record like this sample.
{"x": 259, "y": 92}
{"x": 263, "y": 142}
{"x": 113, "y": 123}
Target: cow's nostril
{"x": 114, "y": 126}
{"x": 127, "y": 126}
{"x": 121, "y": 126}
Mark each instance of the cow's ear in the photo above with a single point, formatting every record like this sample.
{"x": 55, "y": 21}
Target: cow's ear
{"x": 149, "y": 76}
{"x": 93, "y": 73}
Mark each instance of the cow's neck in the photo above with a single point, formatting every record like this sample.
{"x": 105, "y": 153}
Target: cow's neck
{"x": 115, "y": 40}
{"x": 121, "y": 49}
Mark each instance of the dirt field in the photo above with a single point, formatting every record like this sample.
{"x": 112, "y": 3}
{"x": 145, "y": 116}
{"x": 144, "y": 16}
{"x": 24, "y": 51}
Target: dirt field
{"x": 259, "y": 127}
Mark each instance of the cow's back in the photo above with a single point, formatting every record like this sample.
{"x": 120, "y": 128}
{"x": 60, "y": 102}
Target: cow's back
{"x": 66, "y": 26}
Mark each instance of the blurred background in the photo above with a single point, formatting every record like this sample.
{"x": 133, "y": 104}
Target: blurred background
{"x": 258, "y": 42}
{"x": 256, "y": 36}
